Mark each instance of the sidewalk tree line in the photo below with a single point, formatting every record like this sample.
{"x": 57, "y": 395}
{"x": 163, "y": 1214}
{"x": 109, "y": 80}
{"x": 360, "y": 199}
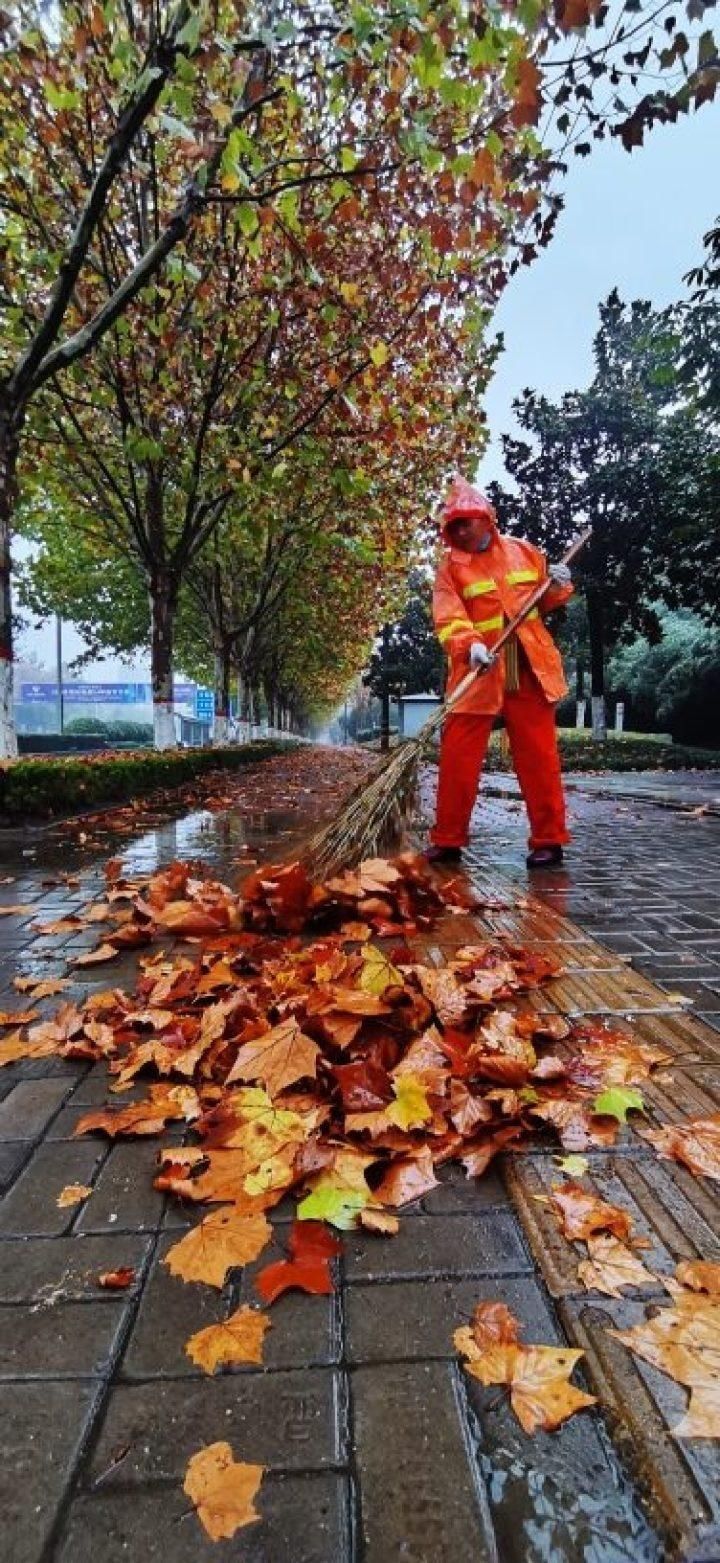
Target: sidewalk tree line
{"x": 227, "y": 248}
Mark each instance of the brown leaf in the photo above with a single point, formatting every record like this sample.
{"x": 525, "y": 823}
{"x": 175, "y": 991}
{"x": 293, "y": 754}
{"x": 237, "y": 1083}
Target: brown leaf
{"x": 223, "y": 1490}
{"x": 378, "y": 1221}
{"x": 147, "y": 1117}
{"x": 73, "y": 1194}
{"x": 237, "y": 1339}
{"x": 408, "y": 1178}
{"x": 104, "y": 952}
{"x": 223, "y": 1241}
{"x": 582, "y": 1213}
{"x": 684, "y": 1342}
{"x": 279, "y": 1058}
{"x": 700, "y": 1275}
{"x": 43, "y": 989}
{"x": 611, "y": 1266}
{"x": 695, "y": 1143}
{"x": 538, "y": 1379}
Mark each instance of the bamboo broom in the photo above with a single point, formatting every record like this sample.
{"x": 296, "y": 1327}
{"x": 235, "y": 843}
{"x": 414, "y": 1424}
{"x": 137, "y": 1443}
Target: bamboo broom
{"x": 375, "y": 812}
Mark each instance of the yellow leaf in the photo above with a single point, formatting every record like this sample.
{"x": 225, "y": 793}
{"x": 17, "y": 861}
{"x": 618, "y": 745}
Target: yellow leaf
{"x": 72, "y": 1194}
{"x": 377, "y": 973}
{"x": 411, "y": 1109}
{"x": 223, "y": 1490}
{"x": 238, "y": 1339}
{"x": 379, "y": 354}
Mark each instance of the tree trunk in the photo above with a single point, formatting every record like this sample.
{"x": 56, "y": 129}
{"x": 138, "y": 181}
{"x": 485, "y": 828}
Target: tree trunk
{"x": 9, "y": 442}
{"x": 596, "y": 628}
{"x": 222, "y": 695}
{"x": 162, "y": 613}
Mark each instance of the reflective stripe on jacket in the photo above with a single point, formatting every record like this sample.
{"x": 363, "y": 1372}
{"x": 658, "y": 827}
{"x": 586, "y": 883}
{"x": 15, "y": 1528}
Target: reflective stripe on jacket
{"x": 474, "y": 597}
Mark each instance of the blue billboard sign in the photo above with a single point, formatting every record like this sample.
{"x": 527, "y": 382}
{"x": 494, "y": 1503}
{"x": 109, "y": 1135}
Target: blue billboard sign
{"x": 100, "y": 694}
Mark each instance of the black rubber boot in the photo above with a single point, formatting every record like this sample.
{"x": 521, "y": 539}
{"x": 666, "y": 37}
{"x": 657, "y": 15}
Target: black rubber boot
{"x": 545, "y": 857}
{"x": 443, "y": 854}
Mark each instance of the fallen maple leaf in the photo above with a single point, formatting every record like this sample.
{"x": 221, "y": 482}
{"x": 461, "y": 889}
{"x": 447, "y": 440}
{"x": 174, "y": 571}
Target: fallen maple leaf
{"x": 117, "y": 1280}
{"x": 378, "y": 1221}
{"x": 73, "y": 1194}
{"x": 617, "y": 1102}
{"x": 223, "y": 1490}
{"x": 695, "y": 1143}
{"x": 43, "y": 989}
{"x": 537, "y": 1376}
{"x": 15, "y": 1017}
{"x": 377, "y": 973}
{"x": 700, "y": 1275}
{"x": 278, "y": 1058}
{"x": 223, "y": 1241}
{"x": 684, "y": 1342}
{"x": 237, "y": 1339}
{"x": 581, "y": 1213}
{"x": 104, "y": 952}
{"x": 311, "y": 1249}
{"x": 611, "y": 1266}
{"x": 411, "y": 1108}
{"x": 407, "y": 1179}
{"x": 147, "y": 1117}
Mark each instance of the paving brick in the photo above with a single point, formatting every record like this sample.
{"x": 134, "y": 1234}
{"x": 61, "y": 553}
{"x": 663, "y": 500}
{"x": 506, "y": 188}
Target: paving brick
{"x": 170, "y": 1312}
{"x": 43, "y": 1428}
{"x": 304, "y": 1520}
{"x": 417, "y": 1319}
{"x": 12, "y": 1157}
{"x": 46, "y": 1270}
{"x": 286, "y": 1421}
{"x": 456, "y": 1246}
{"x": 67, "y": 1340}
{"x": 457, "y": 1194}
{"x": 29, "y": 1107}
{"x": 29, "y": 1209}
{"x": 124, "y": 1196}
{"x": 420, "y": 1497}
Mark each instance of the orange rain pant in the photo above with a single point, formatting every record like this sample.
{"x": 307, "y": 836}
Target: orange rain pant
{"x": 530, "y": 722}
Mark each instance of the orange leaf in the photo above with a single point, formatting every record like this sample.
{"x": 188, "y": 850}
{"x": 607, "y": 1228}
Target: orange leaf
{"x": 407, "y": 1178}
{"x": 581, "y": 1213}
{"x": 237, "y": 1339}
{"x": 695, "y": 1143}
{"x": 279, "y": 1058}
{"x": 104, "y": 952}
{"x": 223, "y": 1490}
{"x": 611, "y": 1266}
{"x": 538, "y": 1379}
{"x": 73, "y": 1194}
{"x": 223, "y": 1241}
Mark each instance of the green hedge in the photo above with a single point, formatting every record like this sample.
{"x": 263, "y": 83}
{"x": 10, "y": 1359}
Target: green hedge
{"x": 582, "y": 752}
{"x": 62, "y": 786}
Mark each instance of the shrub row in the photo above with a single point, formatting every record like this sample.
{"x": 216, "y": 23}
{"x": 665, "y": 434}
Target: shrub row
{"x": 580, "y": 753}
{"x": 39, "y": 788}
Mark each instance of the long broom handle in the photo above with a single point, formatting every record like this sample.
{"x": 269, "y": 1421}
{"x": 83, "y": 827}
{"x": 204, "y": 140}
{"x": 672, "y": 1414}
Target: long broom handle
{"x": 531, "y": 602}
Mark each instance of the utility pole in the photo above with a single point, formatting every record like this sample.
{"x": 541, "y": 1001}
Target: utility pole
{"x": 385, "y": 691}
{"x": 60, "y": 702}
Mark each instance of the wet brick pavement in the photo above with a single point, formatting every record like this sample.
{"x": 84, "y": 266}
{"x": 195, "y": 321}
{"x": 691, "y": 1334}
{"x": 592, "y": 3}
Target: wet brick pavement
{"x": 378, "y": 1446}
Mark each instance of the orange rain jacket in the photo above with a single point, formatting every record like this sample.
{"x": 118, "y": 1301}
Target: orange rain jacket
{"x": 475, "y": 594}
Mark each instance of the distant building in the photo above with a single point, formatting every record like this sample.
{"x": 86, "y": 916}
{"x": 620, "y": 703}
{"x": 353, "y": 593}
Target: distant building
{"x": 414, "y": 711}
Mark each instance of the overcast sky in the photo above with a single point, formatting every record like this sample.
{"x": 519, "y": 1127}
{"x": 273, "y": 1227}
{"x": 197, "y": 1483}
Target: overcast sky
{"x": 634, "y": 221}
{"x": 631, "y": 220}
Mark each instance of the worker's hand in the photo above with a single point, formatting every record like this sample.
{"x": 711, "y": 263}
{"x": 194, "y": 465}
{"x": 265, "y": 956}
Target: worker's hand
{"x": 560, "y": 574}
{"x": 480, "y": 656}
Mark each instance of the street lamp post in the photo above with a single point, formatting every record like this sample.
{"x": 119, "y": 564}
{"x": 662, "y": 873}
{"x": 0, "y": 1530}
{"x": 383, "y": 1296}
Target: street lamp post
{"x": 60, "y": 704}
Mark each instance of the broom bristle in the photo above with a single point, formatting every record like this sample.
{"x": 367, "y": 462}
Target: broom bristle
{"x": 372, "y": 818}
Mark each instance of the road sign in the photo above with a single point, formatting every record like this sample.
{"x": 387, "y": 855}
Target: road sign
{"x": 204, "y": 704}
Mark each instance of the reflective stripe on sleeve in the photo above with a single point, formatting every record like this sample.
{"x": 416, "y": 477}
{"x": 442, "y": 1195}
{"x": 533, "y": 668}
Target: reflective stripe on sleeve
{"x": 521, "y": 577}
{"x": 452, "y": 628}
{"x": 479, "y": 588}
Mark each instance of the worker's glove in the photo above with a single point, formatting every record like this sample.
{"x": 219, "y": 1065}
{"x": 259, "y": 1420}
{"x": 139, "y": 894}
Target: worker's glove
{"x": 560, "y": 574}
{"x": 480, "y": 656}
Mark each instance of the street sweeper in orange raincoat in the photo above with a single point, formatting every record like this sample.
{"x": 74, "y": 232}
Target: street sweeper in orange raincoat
{"x": 482, "y": 581}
